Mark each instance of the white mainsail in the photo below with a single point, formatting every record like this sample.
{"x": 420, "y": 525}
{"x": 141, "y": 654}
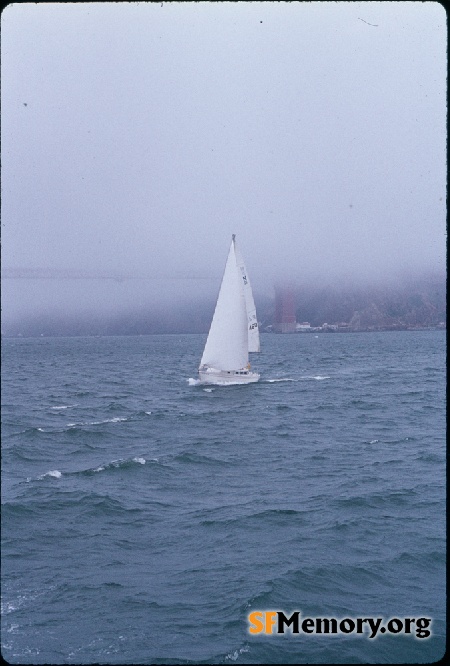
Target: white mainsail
{"x": 225, "y": 357}
{"x": 252, "y": 321}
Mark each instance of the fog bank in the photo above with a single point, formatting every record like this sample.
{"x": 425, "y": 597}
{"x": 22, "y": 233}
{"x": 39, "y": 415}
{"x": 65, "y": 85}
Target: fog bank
{"x": 136, "y": 138}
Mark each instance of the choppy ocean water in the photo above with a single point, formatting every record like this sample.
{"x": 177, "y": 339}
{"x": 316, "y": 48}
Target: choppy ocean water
{"x": 143, "y": 518}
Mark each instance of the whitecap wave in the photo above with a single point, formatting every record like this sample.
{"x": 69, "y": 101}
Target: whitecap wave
{"x": 8, "y": 607}
{"x": 54, "y": 473}
{"x": 63, "y": 406}
{"x": 116, "y": 419}
{"x": 120, "y": 462}
{"x": 232, "y": 656}
{"x": 193, "y": 382}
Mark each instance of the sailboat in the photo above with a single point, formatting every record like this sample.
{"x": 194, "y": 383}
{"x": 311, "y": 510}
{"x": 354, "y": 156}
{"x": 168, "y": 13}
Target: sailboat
{"x": 234, "y": 328}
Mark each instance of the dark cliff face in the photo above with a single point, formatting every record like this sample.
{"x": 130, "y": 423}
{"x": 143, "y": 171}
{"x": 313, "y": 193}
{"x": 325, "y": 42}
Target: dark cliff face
{"x": 419, "y": 303}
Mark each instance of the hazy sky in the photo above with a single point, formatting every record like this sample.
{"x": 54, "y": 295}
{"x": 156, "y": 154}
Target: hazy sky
{"x": 137, "y": 137}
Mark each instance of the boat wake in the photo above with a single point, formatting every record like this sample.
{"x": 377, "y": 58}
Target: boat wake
{"x": 198, "y": 382}
{"x": 299, "y": 379}
{"x": 282, "y": 379}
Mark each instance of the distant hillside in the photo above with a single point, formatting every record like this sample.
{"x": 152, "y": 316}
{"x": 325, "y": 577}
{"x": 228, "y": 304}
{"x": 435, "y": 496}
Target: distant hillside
{"x": 421, "y": 303}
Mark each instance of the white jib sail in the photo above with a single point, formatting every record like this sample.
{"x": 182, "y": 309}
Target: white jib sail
{"x": 252, "y": 321}
{"x": 227, "y": 344}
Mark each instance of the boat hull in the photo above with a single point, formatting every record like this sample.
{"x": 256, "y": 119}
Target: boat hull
{"x": 223, "y": 377}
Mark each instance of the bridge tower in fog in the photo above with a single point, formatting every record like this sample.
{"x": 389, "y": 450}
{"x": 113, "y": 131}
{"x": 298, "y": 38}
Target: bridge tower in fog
{"x": 284, "y": 309}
